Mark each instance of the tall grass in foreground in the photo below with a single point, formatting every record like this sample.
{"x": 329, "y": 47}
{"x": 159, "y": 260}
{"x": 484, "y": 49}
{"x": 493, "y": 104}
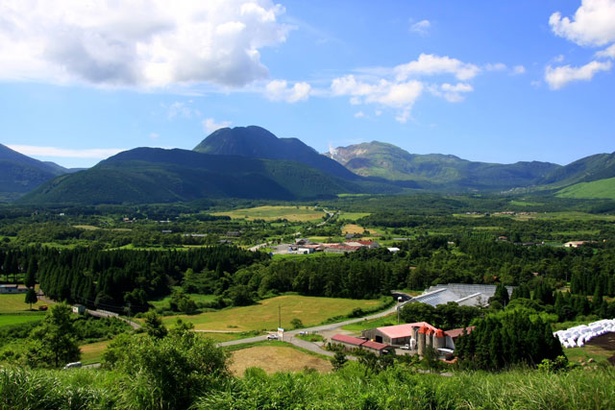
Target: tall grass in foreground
{"x": 399, "y": 388}
{"x": 351, "y": 388}
{"x": 24, "y": 389}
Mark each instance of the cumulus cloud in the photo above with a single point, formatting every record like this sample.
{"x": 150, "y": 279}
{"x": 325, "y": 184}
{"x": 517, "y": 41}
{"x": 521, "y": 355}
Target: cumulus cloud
{"x": 452, "y": 92}
{"x": 400, "y": 87}
{"x": 592, "y": 24}
{"x": 429, "y": 64}
{"x": 279, "y": 90}
{"x": 141, "y": 43}
{"x": 210, "y": 125}
{"x": 558, "y": 77}
{"x": 608, "y": 53}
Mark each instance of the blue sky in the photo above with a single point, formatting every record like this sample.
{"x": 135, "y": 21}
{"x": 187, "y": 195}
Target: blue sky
{"x": 493, "y": 81}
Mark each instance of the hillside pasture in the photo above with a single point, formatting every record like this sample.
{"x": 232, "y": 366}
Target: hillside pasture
{"x": 13, "y": 310}
{"x": 272, "y": 213}
{"x": 594, "y": 189}
{"x": 92, "y": 353}
{"x": 267, "y": 314}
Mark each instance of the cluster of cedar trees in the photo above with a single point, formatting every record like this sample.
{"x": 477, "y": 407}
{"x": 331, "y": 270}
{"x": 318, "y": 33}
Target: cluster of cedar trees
{"x": 126, "y": 279}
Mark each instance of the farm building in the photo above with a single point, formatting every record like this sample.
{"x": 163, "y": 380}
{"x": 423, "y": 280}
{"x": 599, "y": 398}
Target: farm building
{"x": 462, "y": 294}
{"x": 79, "y": 309}
{"x": 354, "y": 343}
{"x": 417, "y": 335}
{"x": 12, "y": 289}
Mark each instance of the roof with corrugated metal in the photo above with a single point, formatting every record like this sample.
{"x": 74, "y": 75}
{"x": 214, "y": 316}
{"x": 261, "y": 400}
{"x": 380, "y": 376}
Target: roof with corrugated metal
{"x": 404, "y": 330}
{"x": 458, "y": 331}
{"x": 347, "y": 339}
{"x": 374, "y": 345}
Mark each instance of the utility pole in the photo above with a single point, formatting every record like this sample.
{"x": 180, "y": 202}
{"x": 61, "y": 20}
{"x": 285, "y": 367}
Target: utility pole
{"x": 279, "y": 316}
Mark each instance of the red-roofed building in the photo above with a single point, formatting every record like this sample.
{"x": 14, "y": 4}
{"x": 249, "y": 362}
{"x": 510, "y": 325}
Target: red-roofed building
{"x": 417, "y": 335}
{"x": 354, "y": 343}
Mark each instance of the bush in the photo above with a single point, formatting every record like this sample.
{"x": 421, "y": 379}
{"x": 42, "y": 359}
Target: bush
{"x": 167, "y": 372}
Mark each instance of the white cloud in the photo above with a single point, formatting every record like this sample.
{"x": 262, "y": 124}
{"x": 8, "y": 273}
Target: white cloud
{"x": 400, "y": 87}
{"x": 592, "y": 24}
{"x": 141, "y": 43}
{"x": 210, "y": 125}
{"x": 422, "y": 27}
{"x": 429, "y": 64}
{"x": 607, "y": 53}
{"x": 558, "y": 77}
{"x": 278, "y": 90}
{"x": 452, "y": 92}
{"x": 38, "y": 151}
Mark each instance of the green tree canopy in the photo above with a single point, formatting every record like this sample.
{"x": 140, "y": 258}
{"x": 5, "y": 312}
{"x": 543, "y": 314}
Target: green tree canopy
{"x": 170, "y": 372}
{"x": 53, "y": 343}
{"x": 31, "y": 297}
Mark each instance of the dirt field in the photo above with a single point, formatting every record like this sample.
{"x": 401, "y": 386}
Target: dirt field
{"x": 273, "y": 359}
{"x": 607, "y": 343}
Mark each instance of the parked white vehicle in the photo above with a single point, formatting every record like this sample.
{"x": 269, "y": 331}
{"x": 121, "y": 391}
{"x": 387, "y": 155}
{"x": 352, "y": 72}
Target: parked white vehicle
{"x": 72, "y": 365}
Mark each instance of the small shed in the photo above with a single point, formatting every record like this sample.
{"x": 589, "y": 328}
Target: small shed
{"x": 79, "y": 309}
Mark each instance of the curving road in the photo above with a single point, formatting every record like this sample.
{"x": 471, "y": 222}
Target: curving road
{"x": 290, "y": 336}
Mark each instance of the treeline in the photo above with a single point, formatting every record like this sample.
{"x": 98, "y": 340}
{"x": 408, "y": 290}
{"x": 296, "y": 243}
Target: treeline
{"x": 476, "y": 259}
{"x": 335, "y": 276}
{"x": 130, "y": 277}
{"x": 531, "y": 230}
{"x": 119, "y": 279}
{"x": 506, "y": 339}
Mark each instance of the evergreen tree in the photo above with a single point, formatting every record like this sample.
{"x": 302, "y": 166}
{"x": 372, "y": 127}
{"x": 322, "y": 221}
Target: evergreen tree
{"x": 31, "y": 297}
{"x": 500, "y": 295}
{"x": 508, "y": 338}
{"x": 339, "y": 360}
{"x": 53, "y": 343}
{"x": 154, "y": 326}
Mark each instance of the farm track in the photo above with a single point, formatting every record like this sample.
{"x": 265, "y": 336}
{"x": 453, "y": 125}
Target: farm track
{"x": 327, "y": 330}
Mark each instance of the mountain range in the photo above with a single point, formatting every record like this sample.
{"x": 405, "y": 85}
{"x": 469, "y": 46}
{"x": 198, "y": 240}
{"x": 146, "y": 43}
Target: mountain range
{"x": 252, "y": 163}
{"x": 20, "y": 174}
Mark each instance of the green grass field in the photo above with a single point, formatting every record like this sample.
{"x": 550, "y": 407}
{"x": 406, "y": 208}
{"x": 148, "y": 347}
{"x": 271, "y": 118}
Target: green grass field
{"x": 13, "y": 310}
{"x": 15, "y": 319}
{"x": 266, "y": 314}
{"x": 269, "y": 213}
{"x": 369, "y": 324}
{"x": 594, "y": 189}
{"x": 92, "y": 353}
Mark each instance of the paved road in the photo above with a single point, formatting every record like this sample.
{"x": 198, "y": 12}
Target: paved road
{"x": 291, "y": 336}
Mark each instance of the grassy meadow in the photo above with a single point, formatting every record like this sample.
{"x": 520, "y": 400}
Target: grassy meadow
{"x": 595, "y": 189}
{"x": 13, "y": 310}
{"x": 270, "y": 213}
{"x": 266, "y": 314}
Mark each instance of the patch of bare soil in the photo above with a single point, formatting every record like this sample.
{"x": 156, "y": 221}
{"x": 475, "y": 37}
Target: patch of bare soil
{"x": 606, "y": 342}
{"x": 274, "y": 359}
